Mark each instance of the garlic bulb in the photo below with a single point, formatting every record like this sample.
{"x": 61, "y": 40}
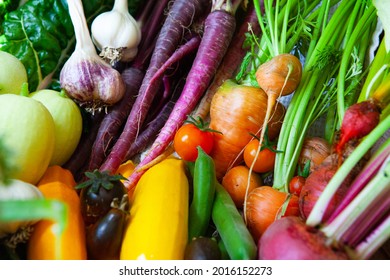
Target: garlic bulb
{"x": 17, "y": 190}
{"x": 86, "y": 77}
{"x": 116, "y": 33}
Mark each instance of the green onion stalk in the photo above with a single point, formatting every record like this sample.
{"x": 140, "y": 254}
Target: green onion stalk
{"x": 285, "y": 24}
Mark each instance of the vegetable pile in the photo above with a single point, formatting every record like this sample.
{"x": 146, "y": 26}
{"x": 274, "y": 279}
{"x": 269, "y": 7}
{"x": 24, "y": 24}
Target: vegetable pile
{"x": 194, "y": 129}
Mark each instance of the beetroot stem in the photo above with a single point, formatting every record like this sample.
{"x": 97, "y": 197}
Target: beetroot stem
{"x": 373, "y": 242}
{"x": 377, "y": 187}
{"x": 318, "y": 211}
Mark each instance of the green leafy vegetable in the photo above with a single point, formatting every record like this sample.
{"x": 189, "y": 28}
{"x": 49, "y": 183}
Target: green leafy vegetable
{"x": 6, "y": 6}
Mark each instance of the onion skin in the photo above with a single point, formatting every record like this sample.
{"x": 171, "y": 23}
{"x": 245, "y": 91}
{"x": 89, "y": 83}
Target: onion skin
{"x": 263, "y": 206}
{"x": 237, "y": 111}
{"x": 289, "y": 238}
{"x": 315, "y": 150}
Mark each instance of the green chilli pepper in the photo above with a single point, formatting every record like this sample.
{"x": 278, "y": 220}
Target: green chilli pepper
{"x": 204, "y": 180}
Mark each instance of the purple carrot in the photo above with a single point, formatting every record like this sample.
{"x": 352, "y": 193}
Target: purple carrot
{"x": 152, "y": 21}
{"x": 218, "y": 32}
{"x": 185, "y": 49}
{"x": 180, "y": 16}
{"x": 113, "y": 121}
{"x": 157, "y": 122}
{"x": 83, "y": 150}
{"x": 152, "y": 129}
{"x": 232, "y": 60}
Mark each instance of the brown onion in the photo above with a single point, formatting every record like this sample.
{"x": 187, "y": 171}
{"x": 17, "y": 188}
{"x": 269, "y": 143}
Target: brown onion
{"x": 264, "y": 205}
{"x": 314, "y": 150}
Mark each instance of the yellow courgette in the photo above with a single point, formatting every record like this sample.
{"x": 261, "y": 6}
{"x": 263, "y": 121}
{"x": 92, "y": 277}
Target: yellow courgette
{"x": 158, "y": 224}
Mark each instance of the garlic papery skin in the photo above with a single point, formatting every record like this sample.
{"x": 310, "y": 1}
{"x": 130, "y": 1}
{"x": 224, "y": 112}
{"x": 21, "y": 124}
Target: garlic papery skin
{"x": 116, "y": 34}
{"x": 85, "y": 77}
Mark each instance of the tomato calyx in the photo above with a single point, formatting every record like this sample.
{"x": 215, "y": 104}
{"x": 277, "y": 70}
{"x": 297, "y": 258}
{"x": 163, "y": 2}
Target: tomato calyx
{"x": 193, "y": 133}
{"x": 201, "y": 124}
{"x": 267, "y": 143}
{"x": 99, "y": 179}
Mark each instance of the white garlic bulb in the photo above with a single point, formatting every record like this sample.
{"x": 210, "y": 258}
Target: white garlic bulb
{"x": 116, "y": 33}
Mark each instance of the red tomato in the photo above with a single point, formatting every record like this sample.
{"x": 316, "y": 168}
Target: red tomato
{"x": 265, "y": 160}
{"x": 296, "y": 184}
{"x": 188, "y": 138}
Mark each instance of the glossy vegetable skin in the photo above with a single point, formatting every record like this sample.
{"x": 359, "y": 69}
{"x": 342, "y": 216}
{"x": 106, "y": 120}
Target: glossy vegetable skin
{"x": 235, "y": 183}
{"x": 296, "y": 184}
{"x": 188, "y": 138}
{"x": 264, "y": 160}
{"x": 104, "y": 238}
{"x": 57, "y": 173}
{"x": 157, "y": 228}
{"x": 97, "y": 193}
{"x": 43, "y": 243}
{"x": 204, "y": 181}
{"x": 231, "y": 227}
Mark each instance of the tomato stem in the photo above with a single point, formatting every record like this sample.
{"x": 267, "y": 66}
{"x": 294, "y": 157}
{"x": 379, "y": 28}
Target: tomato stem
{"x": 200, "y": 124}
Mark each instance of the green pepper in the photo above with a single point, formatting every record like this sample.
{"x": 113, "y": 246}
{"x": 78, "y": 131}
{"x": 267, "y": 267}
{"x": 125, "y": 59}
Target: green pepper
{"x": 204, "y": 180}
{"x": 231, "y": 227}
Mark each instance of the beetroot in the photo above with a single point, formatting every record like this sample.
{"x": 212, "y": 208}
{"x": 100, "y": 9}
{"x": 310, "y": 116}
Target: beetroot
{"x": 315, "y": 184}
{"x": 289, "y": 238}
{"x": 359, "y": 120}
{"x": 317, "y": 181}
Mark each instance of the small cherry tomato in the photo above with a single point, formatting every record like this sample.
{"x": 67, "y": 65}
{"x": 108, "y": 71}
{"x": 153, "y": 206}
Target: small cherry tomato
{"x": 296, "y": 184}
{"x": 265, "y": 160}
{"x": 189, "y": 137}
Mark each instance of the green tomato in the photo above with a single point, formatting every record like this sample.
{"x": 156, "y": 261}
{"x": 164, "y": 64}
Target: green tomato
{"x": 13, "y": 74}
{"x": 27, "y": 131}
{"x": 68, "y": 123}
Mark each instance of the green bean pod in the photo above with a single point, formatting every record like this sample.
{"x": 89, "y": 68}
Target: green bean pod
{"x": 231, "y": 227}
{"x": 203, "y": 195}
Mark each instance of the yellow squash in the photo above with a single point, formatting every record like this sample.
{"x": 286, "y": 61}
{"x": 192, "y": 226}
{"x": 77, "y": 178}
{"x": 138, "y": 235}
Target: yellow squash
{"x": 158, "y": 222}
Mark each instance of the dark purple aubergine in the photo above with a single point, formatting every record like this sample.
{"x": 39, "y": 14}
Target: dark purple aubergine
{"x": 104, "y": 238}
